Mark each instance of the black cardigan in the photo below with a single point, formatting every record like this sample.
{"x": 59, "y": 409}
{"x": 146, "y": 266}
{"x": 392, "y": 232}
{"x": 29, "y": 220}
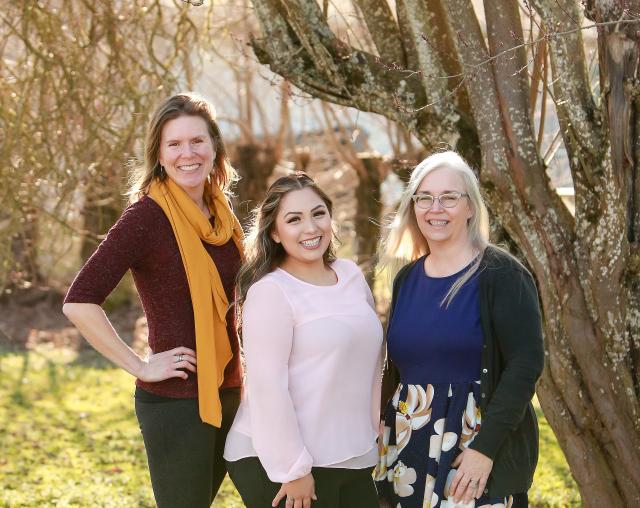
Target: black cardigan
{"x": 512, "y": 361}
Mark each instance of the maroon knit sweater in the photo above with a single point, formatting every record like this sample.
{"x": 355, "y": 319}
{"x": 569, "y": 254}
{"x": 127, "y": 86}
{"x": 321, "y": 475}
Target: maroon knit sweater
{"x": 143, "y": 241}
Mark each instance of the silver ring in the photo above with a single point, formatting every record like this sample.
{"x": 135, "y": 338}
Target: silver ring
{"x": 179, "y": 358}
{"x": 289, "y": 501}
{"x": 473, "y": 482}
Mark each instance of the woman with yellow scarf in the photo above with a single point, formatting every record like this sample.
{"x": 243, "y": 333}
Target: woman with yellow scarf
{"x": 183, "y": 246}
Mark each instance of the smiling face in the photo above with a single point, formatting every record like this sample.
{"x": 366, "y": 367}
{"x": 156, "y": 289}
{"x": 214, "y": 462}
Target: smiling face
{"x": 439, "y": 225}
{"x": 303, "y": 227}
{"x": 187, "y": 153}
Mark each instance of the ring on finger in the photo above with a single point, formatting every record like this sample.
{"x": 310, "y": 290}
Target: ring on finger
{"x": 179, "y": 358}
{"x": 289, "y": 500}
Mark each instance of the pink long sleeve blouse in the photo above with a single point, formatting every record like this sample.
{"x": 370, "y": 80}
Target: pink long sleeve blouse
{"x": 313, "y": 372}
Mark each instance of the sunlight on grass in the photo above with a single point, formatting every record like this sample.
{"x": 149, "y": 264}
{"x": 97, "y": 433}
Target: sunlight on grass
{"x": 69, "y": 435}
{"x": 553, "y": 485}
{"x": 70, "y": 438}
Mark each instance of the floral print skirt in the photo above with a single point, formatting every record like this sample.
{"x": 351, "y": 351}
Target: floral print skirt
{"x": 425, "y": 428}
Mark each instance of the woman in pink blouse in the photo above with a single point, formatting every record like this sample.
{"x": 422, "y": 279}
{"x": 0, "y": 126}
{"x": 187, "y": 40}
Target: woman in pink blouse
{"x": 307, "y": 424}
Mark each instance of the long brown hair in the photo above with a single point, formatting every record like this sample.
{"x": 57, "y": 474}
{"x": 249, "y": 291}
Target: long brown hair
{"x": 182, "y": 104}
{"x": 262, "y": 253}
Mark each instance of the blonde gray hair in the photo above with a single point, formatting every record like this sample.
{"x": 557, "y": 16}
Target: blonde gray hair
{"x": 403, "y": 242}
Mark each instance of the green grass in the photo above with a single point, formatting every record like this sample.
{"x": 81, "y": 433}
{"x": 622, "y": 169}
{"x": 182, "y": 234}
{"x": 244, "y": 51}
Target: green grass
{"x": 553, "y": 485}
{"x": 69, "y": 437}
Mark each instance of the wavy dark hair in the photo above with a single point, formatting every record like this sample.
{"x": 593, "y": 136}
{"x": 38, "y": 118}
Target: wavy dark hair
{"x": 181, "y": 104}
{"x": 262, "y": 253}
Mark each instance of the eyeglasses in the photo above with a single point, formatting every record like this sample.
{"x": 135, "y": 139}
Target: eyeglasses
{"x": 447, "y": 200}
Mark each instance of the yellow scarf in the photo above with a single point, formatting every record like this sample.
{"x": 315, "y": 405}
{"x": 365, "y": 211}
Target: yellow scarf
{"x": 210, "y": 303}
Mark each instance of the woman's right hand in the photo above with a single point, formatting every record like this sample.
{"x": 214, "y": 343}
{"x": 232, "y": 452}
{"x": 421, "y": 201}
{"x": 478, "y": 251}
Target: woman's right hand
{"x": 168, "y": 364}
{"x": 299, "y": 493}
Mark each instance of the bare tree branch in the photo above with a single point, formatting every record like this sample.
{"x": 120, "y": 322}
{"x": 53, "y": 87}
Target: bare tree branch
{"x": 383, "y": 29}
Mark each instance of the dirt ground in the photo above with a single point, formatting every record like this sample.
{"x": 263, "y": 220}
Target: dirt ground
{"x": 34, "y": 317}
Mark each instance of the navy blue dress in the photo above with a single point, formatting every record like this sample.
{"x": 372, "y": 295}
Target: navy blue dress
{"x": 435, "y": 412}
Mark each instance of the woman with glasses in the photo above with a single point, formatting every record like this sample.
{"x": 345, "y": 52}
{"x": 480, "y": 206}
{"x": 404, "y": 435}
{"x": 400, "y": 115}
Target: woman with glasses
{"x": 464, "y": 344}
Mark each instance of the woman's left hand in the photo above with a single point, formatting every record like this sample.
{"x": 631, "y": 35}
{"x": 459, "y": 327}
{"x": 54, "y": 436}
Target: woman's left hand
{"x": 473, "y": 472}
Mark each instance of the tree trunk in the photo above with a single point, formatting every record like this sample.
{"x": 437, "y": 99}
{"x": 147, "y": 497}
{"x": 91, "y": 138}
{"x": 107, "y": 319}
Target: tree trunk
{"x": 24, "y": 251}
{"x": 368, "y": 216}
{"x": 100, "y": 212}
{"x": 255, "y": 163}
